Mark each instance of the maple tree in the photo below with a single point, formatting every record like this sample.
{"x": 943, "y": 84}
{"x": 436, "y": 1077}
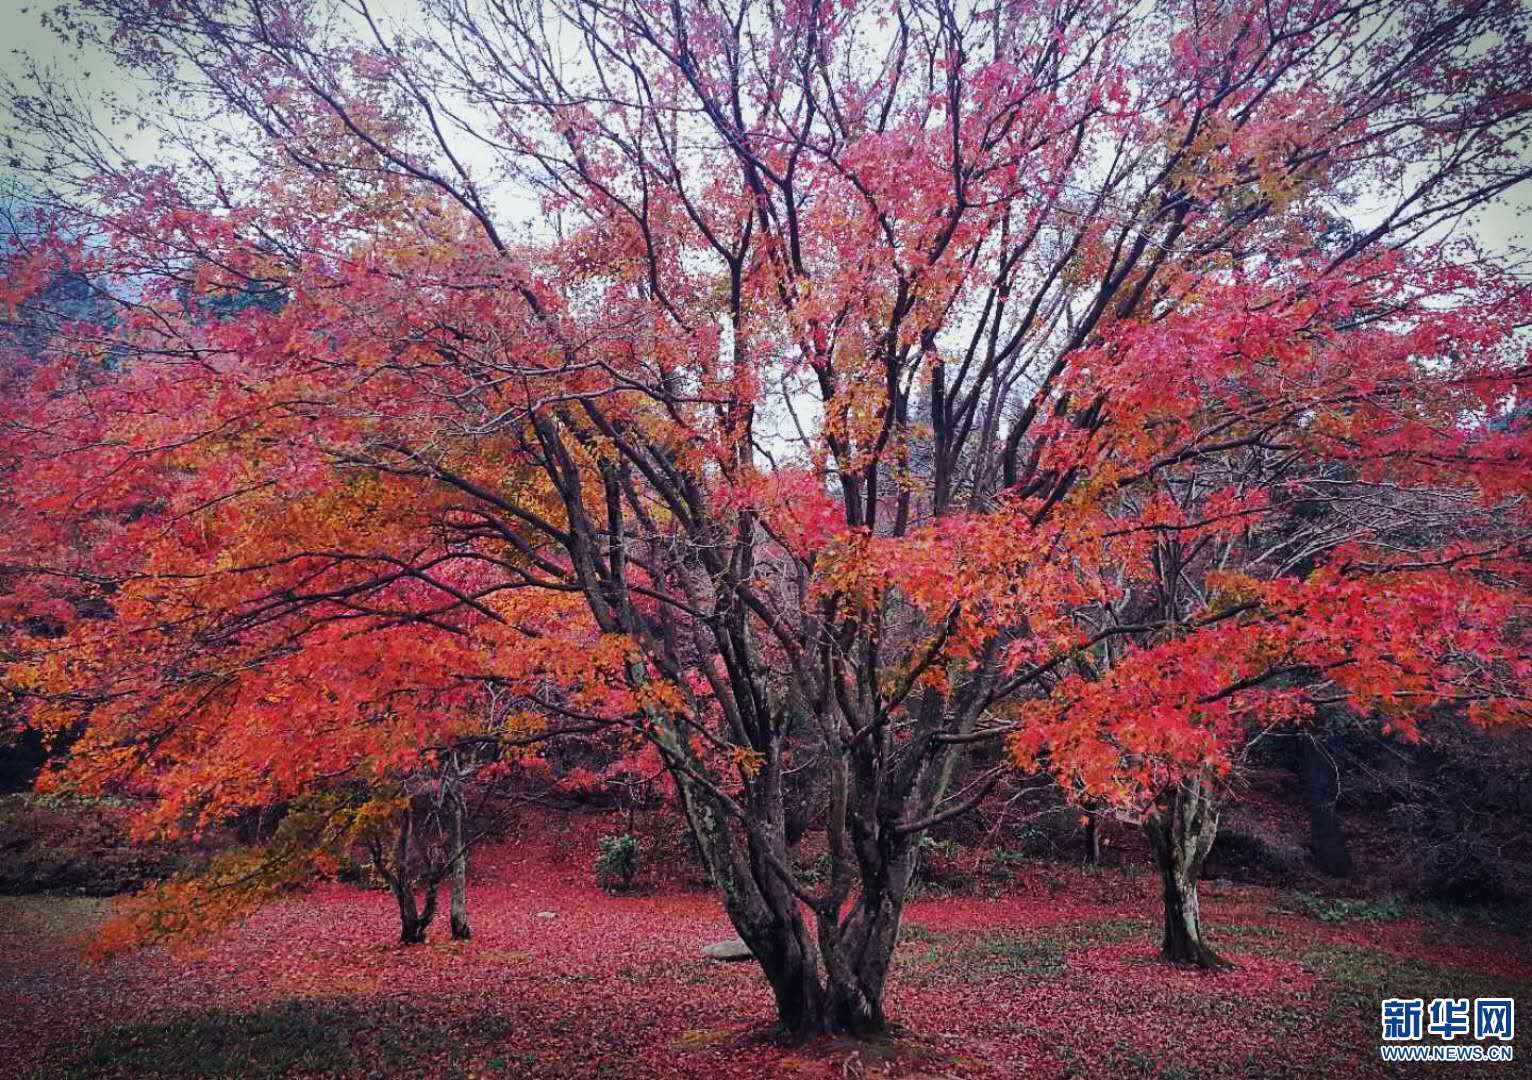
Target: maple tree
{"x": 873, "y": 383}
{"x": 210, "y": 714}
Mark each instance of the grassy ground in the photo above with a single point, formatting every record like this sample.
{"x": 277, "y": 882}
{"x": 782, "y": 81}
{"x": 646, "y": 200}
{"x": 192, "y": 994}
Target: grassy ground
{"x": 1054, "y": 975}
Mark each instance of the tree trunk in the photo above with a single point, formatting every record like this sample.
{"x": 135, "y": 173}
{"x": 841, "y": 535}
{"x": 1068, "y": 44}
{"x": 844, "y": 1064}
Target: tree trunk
{"x": 864, "y": 945}
{"x": 413, "y": 918}
{"x": 792, "y": 968}
{"x": 458, "y": 873}
{"x": 1092, "y": 841}
{"x": 412, "y": 922}
{"x": 832, "y": 985}
{"x": 1181, "y": 829}
{"x": 1321, "y": 787}
{"x": 829, "y": 980}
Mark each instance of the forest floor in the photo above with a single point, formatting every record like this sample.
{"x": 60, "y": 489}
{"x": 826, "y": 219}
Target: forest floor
{"x": 1052, "y": 973}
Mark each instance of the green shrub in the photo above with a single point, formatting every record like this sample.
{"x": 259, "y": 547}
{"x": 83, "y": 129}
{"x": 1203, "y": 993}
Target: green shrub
{"x": 617, "y": 865}
{"x": 815, "y": 871}
{"x": 1326, "y": 909}
{"x": 942, "y": 849}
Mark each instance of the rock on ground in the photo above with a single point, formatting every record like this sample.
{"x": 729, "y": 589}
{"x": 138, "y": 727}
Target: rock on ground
{"x": 729, "y": 950}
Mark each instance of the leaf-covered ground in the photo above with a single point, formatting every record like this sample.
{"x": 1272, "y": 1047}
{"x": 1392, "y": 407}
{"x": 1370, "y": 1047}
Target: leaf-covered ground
{"x": 1054, "y": 975}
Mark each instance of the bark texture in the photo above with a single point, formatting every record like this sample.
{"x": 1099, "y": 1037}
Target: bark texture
{"x": 826, "y": 955}
{"x": 1181, "y": 830}
{"x": 457, "y": 871}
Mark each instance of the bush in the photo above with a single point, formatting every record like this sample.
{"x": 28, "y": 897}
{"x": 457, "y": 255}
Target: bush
{"x": 1326, "y": 909}
{"x": 617, "y": 865}
{"x": 81, "y": 847}
{"x": 942, "y": 867}
{"x": 1465, "y": 877}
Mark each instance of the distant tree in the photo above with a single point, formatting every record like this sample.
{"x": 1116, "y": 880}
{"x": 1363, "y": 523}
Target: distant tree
{"x": 60, "y": 309}
{"x": 1320, "y": 773}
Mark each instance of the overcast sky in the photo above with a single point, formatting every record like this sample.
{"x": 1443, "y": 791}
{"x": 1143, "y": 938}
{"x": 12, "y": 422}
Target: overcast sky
{"x": 1501, "y": 227}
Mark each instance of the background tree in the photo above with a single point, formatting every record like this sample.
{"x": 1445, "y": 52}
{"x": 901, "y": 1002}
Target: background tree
{"x": 1217, "y": 581}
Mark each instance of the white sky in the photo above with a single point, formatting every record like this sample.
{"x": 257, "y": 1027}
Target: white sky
{"x": 1500, "y": 227}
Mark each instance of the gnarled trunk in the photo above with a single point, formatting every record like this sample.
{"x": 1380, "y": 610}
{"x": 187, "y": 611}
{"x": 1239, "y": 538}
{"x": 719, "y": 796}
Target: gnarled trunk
{"x": 831, "y": 982}
{"x": 828, "y": 977}
{"x": 414, "y": 918}
{"x": 414, "y": 921}
{"x": 1181, "y": 829}
{"x": 863, "y": 949}
{"x": 791, "y": 964}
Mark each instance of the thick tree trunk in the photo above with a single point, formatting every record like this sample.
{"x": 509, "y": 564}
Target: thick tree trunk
{"x": 1321, "y": 787}
{"x": 864, "y": 946}
{"x": 832, "y": 985}
{"x": 792, "y": 968}
{"x": 1183, "y": 942}
{"x": 458, "y": 874}
{"x": 828, "y": 979}
{"x": 1092, "y": 841}
{"x": 1181, "y": 830}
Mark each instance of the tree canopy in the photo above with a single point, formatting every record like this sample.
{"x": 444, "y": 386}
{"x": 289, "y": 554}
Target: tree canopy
{"x": 841, "y": 388}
